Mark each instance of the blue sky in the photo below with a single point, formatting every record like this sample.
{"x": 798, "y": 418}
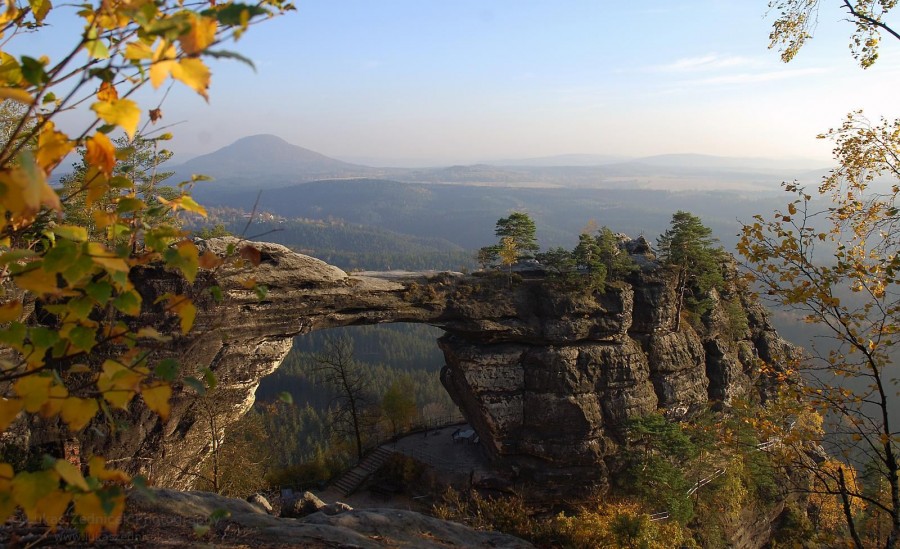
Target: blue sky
{"x": 437, "y": 81}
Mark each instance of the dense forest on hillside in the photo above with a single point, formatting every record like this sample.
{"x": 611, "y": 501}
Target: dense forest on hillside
{"x": 465, "y": 215}
{"x": 385, "y": 355}
{"x": 350, "y": 246}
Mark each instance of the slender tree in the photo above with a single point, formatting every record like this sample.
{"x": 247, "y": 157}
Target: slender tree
{"x": 834, "y": 262}
{"x": 689, "y": 248}
{"x": 588, "y": 258}
{"x": 854, "y": 296}
{"x": 399, "y": 403}
{"x": 509, "y": 254}
{"x": 521, "y": 228}
{"x": 340, "y": 370}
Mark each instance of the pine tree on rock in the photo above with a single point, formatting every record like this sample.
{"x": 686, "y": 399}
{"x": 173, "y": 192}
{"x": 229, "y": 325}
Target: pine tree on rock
{"x": 689, "y": 248}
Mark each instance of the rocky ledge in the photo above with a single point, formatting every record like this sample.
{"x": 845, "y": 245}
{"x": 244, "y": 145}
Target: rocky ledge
{"x": 547, "y": 377}
{"x": 184, "y": 519}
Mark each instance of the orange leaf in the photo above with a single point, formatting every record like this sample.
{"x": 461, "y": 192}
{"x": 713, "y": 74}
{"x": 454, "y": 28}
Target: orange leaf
{"x": 251, "y": 254}
{"x": 9, "y": 409}
{"x": 11, "y": 310}
{"x": 163, "y": 61}
{"x": 53, "y": 146}
{"x": 107, "y": 92}
{"x": 209, "y": 260}
{"x": 186, "y": 311}
{"x": 118, "y": 383}
{"x": 16, "y": 94}
{"x": 97, "y": 184}
{"x": 200, "y": 36}
{"x": 101, "y": 153}
{"x": 7, "y": 503}
{"x": 24, "y": 191}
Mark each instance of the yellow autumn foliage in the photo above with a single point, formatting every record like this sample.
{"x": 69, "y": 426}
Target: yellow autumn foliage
{"x": 81, "y": 280}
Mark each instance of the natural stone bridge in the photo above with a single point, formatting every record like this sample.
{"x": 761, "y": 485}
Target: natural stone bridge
{"x": 547, "y": 378}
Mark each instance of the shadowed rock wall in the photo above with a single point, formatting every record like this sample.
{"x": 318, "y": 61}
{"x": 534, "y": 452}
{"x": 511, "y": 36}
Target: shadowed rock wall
{"x": 546, "y": 377}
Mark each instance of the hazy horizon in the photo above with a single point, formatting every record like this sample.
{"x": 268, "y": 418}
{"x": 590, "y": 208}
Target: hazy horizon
{"x": 427, "y": 82}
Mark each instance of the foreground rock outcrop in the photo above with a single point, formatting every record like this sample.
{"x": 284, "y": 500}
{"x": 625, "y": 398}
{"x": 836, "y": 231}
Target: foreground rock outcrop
{"x": 547, "y": 377}
{"x": 172, "y": 518}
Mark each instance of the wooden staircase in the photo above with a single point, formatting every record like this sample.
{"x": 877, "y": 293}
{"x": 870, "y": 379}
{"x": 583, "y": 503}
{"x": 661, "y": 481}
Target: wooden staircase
{"x": 350, "y": 481}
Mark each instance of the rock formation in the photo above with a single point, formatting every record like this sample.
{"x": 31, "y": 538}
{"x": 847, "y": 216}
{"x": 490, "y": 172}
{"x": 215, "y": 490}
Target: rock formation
{"x": 169, "y": 518}
{"x": 547, "y": 377}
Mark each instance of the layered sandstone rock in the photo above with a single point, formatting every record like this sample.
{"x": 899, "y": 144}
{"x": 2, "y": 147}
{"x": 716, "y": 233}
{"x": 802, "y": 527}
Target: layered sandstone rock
{"x": 547, "y": 377}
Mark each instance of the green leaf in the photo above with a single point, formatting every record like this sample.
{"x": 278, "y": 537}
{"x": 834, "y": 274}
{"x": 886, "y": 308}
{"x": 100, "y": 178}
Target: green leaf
{"x": 33, "y": 71}
{"x": 167, "y": 369}
{"x": 13, "y": 256}
{"x": 81, "y": 307}
{"x": 261, "y": 291}
{"x": 218, "y": 515}
{"x": 128, "y": 302}
{"x": 196, "y": 385}
{"x": 129, "y": 204}
{"x": 71, "y": 232}
{"x": 83, "y": 338}
{"x": 13, "y": 335}
{"x": 108, "y": 497}
{"x": 100, "y": 291}
{"x": 216, "y": 293}
{"x": 286, "y": 397}
{"x": 78, "y": 269}
{"x": 234, "y": 14}
{"x": 60, "y": 257}
{"x": 120, "y": 182}
{"x": 94, "y": 46}
{"x": 210, "y": 378}
{"x": 225, "y": 54}
{"x": 43, "y": 337}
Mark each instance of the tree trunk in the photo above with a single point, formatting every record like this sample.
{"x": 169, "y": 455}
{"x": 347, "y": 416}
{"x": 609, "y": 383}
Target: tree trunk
{"x": 354, "y": 417}
{"x": 848, "y": 512}
{"x": 679, "y": 302}
{"x": 215, "y": 452}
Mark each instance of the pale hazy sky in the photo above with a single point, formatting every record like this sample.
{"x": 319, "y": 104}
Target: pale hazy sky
{"x": 437, "y": 81}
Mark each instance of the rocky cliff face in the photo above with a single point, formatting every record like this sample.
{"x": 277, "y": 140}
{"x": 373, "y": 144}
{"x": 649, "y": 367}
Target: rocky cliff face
{"x": 547, "y": 377}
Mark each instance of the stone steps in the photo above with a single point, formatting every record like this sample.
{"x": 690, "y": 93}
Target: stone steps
{"x": 350, "y": 481}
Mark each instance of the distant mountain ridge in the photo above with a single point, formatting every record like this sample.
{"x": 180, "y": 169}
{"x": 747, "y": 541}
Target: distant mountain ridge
{"x": 256, "y": 159}
{"x": 267, "y": 161}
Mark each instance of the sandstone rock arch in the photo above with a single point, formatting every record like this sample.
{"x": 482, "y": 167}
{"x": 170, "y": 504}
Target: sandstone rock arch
{"x": 547, "y": 378}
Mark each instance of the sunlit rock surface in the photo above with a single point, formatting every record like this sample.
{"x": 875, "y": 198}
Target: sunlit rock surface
{"x": 548, "y": 378}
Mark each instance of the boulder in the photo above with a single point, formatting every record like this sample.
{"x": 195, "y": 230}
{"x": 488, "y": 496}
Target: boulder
{"x": 299, "y": 507}
{"x": 260, "y": 501}
{"x": 336, "y": 508}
